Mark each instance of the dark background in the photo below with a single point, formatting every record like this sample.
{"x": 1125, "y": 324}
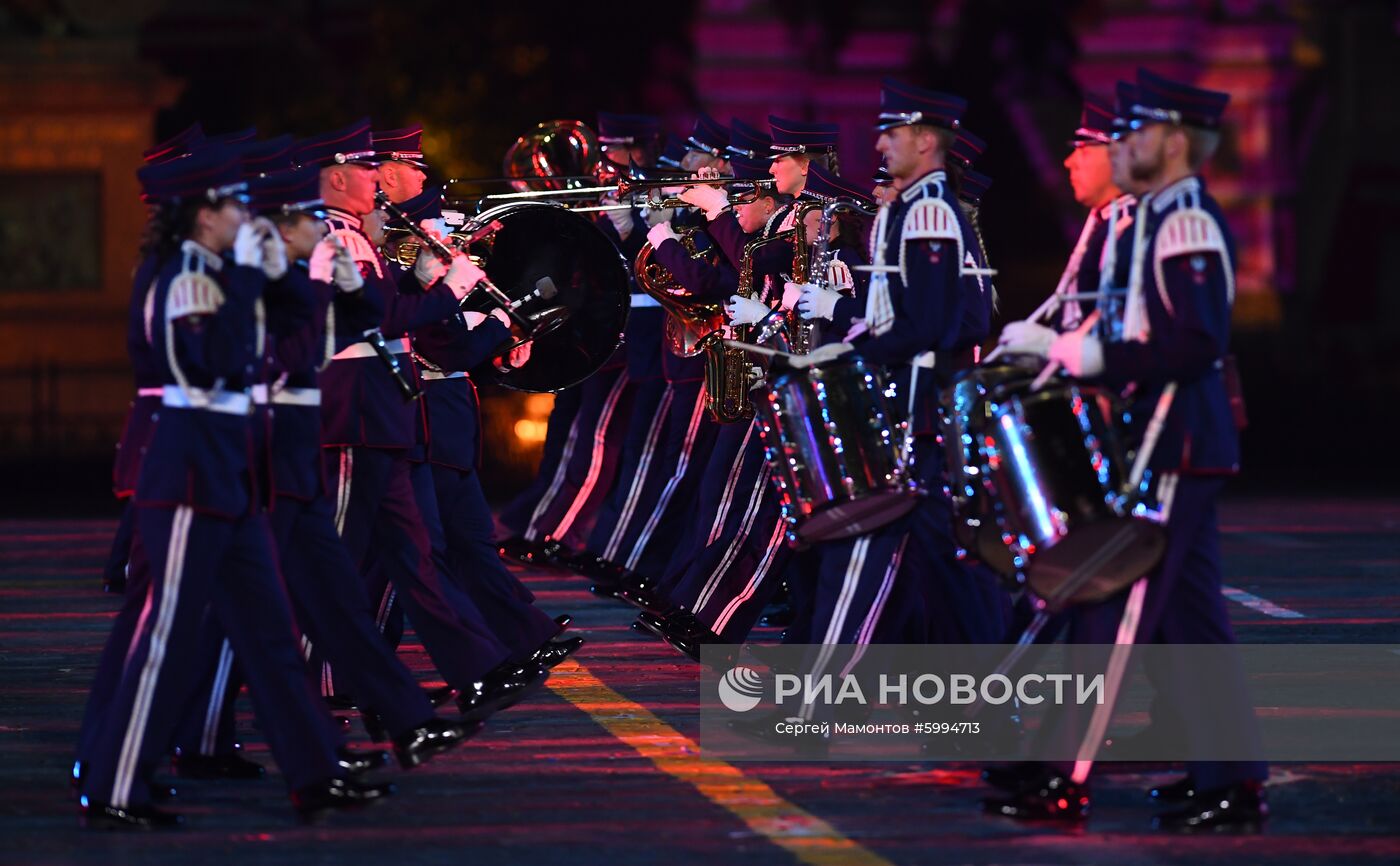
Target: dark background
{"x": 1320, "y": 373}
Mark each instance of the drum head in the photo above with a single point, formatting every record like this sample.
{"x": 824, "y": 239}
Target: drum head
{"x": 858, "y": 516}
{"x": 543, "y": 243}
{"x": 1110, "y": 554}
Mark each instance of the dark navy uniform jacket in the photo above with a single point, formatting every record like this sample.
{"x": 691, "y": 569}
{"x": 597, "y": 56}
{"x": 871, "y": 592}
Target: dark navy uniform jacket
{"x": 296, "y": 323}
{"x": 450, "y": 412}
{"x": 141, "y": 416}
{"x": 204, "y": 318}
{"x": 641, "y": 344}
{"x": 1186, "y": 287}
{"x": 361, "y": 404}
{"x": 924, "y": 234}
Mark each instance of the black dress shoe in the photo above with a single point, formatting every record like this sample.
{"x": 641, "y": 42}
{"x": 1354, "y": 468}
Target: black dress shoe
{"x": 520, "y": 550}
{"x": 1012, "y": 777}
{"x": 605, "y": 587}
{"x": 1180, "y": 791}
{"x": 100, "y": 816}
{"x": 441, "y": 696}
{"x": 500, "y": 688}
{"x": 353, "y": 763}
{"x": 231, "y": 766}
{"x": 115, "y": 585}
{"x": 160, "y": 792}
{"x": 313, "y": 801}
{"x": 432, "y": 738}
{"x": 563, "y": 620}
{"x": 1240, "y": 808}
{"x": 1052, "y": 797}
{"x": 687, "y": 635}
{"x": 552, "y": 652}
{"x": 645, "y": 598}
{"x": 650, "y": 623}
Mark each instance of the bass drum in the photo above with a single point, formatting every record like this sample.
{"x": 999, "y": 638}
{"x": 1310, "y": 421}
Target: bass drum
{"x": 834, "y": 437}
{"x": 557, "y": 265}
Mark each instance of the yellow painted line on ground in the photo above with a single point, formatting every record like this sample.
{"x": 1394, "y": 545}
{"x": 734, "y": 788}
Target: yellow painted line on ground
{"x": 804, "y": 835}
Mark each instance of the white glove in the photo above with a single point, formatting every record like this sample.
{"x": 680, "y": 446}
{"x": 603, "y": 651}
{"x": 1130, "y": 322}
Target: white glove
{"x": 659, "y": 216}
{"x": 520, "y": 355}
{"x": 436, "y": 227}
{"x": 817, "y": 303}
{"x": 745, "y": 311}
{"x": 473, "y": 319}
{"x": 500, "y": 315}
{"x": 621, "y": 220}
{"x": 659, "y": 233}
{"x": 821, "y": 354}
{"x": 1079, "y": 353}
{"x": 428, "y": 268}
{"x": 1026, "y": 338}
{"x": 248, "y": 246}
{"x": 463, "y": 275}
{"x": 274, "y": 263}
{"x": 345, "y": 271}
{"x": 711, "y": 199}
{"x": 791, "y": 293}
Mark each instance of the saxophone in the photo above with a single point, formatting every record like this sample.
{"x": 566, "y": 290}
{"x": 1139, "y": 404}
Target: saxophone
{"x": 802, "y": 335}
{"x": 729, "y": 374}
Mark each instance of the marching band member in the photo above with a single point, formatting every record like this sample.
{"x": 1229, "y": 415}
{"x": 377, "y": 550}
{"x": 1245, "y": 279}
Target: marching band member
{"x": 1175, "y": 331}
{"x": 201, "y": 523}
{"x": 902, "y": 581}
{"x": 447, "y": 456}
{"x": 368, "y": 429}
{"x": 556, "y": 525}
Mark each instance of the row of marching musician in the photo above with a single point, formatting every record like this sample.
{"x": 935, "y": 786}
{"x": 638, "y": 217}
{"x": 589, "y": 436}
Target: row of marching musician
{"x": 300, "y": 467}
{"x": 820, "y": 426}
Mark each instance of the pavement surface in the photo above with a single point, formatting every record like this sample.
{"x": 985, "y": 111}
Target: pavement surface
{"x": 603, "y": 767}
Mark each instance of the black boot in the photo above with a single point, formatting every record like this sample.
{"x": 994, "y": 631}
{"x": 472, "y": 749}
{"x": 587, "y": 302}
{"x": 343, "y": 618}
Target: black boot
{"x": 1240, "y": 808}
{"x": 1012, "y": 777}
{"x": 1051, "y": 797}
{"x": 1180, "y": 791}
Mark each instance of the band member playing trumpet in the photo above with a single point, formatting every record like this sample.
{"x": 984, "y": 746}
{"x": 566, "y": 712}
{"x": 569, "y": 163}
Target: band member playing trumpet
{"x": 1175, "y": 333}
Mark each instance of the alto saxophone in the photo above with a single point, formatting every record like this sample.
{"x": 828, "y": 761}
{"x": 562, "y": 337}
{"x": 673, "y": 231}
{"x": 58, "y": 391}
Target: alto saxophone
{"x": 729, "y": 372}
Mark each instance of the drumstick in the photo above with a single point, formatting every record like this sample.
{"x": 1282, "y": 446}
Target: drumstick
{"x": 1050, "y": 369}
{"x": 761, "y": 350}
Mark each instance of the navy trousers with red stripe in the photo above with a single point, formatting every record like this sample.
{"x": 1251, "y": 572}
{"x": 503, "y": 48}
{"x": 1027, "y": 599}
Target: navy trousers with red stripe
{"x": 734, "y": 569}
{"x": 638, "y": 468}
{"x": 380, "y": 523}
{"x": 588, "y": 464}
{"x": 515, "y": 516}
{"x": 665, "y": 504}
{"x": 201, "y": 562}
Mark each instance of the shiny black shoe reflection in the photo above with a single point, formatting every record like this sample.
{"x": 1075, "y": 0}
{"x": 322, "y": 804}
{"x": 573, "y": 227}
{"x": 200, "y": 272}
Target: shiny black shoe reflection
{"x": 500, "y": 688}
{"x": 315, "y": 801}
{"x": 1241, "y": 808}
{"x": 100, "y": 816}
{"x": 431, "y": 739}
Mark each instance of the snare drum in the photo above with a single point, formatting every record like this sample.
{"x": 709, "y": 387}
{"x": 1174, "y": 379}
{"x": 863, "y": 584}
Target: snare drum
{"x": 963, "y": 410}
{"x": 1054, "y": 462}
{"x": 836, "y": 438}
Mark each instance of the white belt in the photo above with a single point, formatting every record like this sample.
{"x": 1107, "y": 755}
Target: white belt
{"x": 365, "y": 350}
{"x": 259, "y": 394}
{"x": 297, "y": 397}
{"x": 228, "y": 402}
{"x": 924, "y": 360}
{"x": 434, "y": 375}
{"x": 150, "y": 392}
{"x": 644, "y": 301}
